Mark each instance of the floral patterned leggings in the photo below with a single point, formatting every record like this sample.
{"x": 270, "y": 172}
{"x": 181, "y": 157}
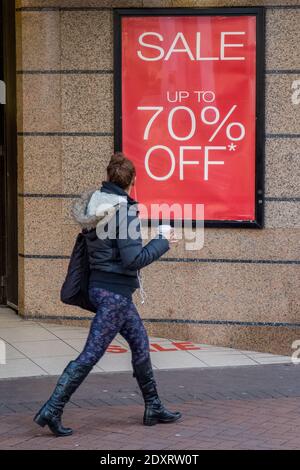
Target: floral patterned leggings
{"x": 115, "y": 314}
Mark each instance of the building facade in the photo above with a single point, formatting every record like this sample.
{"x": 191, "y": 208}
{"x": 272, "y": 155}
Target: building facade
{"x": 242, "y": 288}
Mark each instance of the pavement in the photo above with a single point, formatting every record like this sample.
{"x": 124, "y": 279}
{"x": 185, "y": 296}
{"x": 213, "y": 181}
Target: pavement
{"x": 223, "y": 408}
{"x": 229, "y": 399}
{"x": 34, "y": 348}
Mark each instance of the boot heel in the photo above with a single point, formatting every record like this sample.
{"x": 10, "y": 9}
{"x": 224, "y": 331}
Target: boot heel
{"x": 150, "y": 421}
{"x": 38, "y": 419}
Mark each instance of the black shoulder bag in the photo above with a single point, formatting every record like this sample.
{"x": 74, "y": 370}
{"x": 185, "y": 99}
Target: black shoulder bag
{"x": 74, "y": 290}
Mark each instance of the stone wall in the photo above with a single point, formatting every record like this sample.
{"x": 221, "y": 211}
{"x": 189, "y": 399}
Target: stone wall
{"x": 242, "y": 277}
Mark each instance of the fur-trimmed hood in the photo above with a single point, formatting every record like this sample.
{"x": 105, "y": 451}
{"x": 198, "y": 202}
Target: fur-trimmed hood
{"x": 94, "y": 207}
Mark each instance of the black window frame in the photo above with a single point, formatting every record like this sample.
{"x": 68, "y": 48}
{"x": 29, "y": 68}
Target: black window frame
{"x": 259, "y": 12}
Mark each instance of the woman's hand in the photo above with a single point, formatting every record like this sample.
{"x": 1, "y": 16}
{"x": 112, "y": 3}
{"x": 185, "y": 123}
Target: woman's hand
{"x": 168, "y": 232}
{"x": 172, "y": 238}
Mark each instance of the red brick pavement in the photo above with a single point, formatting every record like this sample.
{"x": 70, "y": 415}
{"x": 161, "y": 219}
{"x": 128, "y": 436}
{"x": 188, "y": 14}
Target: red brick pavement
{"x": 216, "y": 424}
{"x": 223, "y": 408}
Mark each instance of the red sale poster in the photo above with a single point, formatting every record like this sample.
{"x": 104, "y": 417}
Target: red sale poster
{"x": 188, "y": 112}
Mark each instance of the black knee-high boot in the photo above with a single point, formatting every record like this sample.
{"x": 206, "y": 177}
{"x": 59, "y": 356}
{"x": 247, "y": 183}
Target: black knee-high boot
{"x": 155, "y": 412}
{"x": 51, "y": 411}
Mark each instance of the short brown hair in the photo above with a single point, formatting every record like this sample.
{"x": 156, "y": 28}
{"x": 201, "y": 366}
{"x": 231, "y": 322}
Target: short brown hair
{"x": 120, "y": 170}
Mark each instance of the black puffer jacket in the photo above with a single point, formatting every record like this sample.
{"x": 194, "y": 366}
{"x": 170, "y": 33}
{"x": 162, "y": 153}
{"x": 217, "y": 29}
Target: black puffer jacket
{"x": 115, "y": 260}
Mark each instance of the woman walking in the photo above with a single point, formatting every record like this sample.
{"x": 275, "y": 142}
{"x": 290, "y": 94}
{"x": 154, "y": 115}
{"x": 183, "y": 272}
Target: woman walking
{"x": 114, "y": 264}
